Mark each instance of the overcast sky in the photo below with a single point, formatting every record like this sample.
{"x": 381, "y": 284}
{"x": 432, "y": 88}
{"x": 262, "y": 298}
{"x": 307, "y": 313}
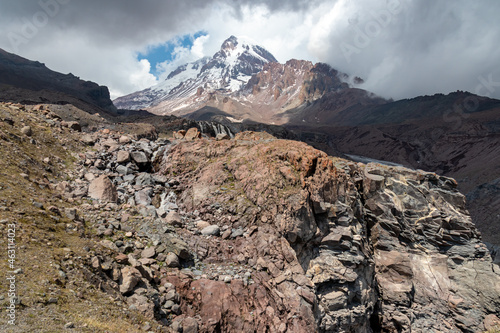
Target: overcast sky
{"x": 402, "y": 48}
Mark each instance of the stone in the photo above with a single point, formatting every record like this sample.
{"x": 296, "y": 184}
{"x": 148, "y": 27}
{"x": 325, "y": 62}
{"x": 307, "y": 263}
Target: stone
{"x": 139, "y": 157}
{"x": 89, "y": 176}
{"x": 71, "y": 213}
{"x": 122, "y": 170}
{"x": 26, "y": 130}
{"x": 173, "y": 218}
{"x": 88, "y": 139}
{"x": 192, "y": 134}
{"x": 335, "y": 300}
{"x": 73, "y": 125}
{"x": 491, "y": 322}
{"x": 95, "y": 263}
{"x": 211, "y": 230}
{"x": 69, "y": 325}
{"x": 179, "y": 135}
{"x": 122, "y": 156}
{"x": 222, "y": 136}
{"x": 142, "y": 304}
{"x": 172, "y": 295}
{"x": 103, "y": 189}
{"x": 130, "y": 277}
{"x": 124, "y": 139}
{"x": 176, "y": 309}
{"x": 143, "y": 197}
{"x": 237, "y": 233}
{"x": 226, "y": 234}
{"x": 144, "y": 179}
{"x": 122, "y": 259}
{"x": 201, "y": 224}
{"x": 189, "y": 325}
{"x": 148, "y": 252}
{"x": 172, "y": 260}
{"x": 168, "y": 304}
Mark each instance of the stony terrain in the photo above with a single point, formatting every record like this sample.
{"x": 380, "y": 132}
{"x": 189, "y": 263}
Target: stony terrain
{"x": 121, "y": 231}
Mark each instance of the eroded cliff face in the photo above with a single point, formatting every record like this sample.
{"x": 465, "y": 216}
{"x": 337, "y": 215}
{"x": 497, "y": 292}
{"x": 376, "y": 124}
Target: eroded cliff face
{"x": 337, "y": 246}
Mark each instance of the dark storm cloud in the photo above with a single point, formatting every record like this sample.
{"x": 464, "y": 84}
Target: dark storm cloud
{"x": 118, "y": 21}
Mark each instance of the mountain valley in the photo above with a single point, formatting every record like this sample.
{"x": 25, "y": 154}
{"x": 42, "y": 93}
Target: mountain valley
{"x": 232, "y": 198}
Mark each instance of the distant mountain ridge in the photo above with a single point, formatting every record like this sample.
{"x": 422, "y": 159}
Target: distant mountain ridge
{"x": 33, "y": 82}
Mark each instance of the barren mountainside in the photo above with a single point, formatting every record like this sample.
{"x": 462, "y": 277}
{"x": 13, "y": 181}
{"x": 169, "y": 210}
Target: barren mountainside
{"x": 32, "y": 82}
{"x": 119, "y": 230}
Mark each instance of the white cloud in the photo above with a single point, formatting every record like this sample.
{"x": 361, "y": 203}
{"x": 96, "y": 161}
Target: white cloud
{"x": 422, "y": 47}
{"x": 182, "y": 55}
{"x": 140, "y": 77}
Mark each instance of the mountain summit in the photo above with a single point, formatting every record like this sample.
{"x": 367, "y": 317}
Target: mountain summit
{"x": 227, "y": 70}
{"x": 244, "y": 81}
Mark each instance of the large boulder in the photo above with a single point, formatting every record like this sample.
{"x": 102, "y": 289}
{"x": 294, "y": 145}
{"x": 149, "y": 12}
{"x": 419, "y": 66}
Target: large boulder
{"x": 141, "y": 159}
{"x": 130, "y": 276}
{"x": 192, "y": 134}
{"x": 103, "y": 189}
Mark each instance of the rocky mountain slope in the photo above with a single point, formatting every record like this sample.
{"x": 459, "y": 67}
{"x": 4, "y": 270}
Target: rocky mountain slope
{"x": 31, "y": 82}
{"x": 454, "y": 134}
{"x": 121, "y": 231}
{"x": 432, "y": 133}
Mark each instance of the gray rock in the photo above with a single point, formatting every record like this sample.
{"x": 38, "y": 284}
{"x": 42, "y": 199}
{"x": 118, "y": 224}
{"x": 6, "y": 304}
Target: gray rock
{"x": 122, "y": 170}
{"x": 173, "y": 218}
{"x": 144, "y": 179}
{"x": 172, "y": 260}
{"x": 140, "y": 158}
{"x": 222, "y": 136}
{"x": 143, "y": 197}
{"x": 148, "y": 252}
{"x": 237, "y": 233}
{"x": 176, "y": 309}
{"x": 128, "y": 178}
{"x": 168, "y": 304}
{"x": 189, "y": 325}
{"x": 172, "y": 295}
{"x": 211, "y": 230}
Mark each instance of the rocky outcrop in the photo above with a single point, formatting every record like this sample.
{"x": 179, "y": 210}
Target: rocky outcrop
{"x": 259, "y": 234}
{"x": 338, "y": 246}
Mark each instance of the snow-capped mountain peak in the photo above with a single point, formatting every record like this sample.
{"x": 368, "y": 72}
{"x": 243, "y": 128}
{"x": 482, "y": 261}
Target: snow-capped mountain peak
{"x": 229, "y": 70}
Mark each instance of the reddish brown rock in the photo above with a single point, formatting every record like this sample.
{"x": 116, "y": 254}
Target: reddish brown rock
{"x": 367, "y": 246}
{"x": 179, "y": 134}
{"x": 130, "y": 277}
{"x": 101, "y": 188}
{"x": 192, "y": 134}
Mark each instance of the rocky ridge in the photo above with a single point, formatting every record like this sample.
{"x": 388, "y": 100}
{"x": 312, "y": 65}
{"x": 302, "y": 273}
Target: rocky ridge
{"x": 34, "y": 83}
{"x": 259, "y": 234}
